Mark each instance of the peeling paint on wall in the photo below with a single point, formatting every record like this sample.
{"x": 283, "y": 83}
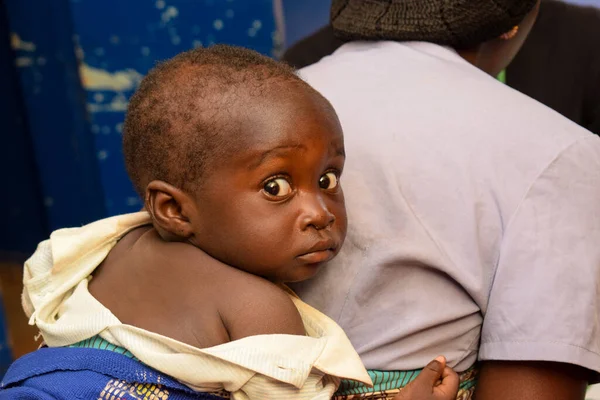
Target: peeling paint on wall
{"x": 101, "y": 79}
{"x": 115, "y": 51}
{"x": 23, "y": 62}
{"x": 170, "y": 13}
{"x": 18, "y": 44}
{"x": 117, "y": 104}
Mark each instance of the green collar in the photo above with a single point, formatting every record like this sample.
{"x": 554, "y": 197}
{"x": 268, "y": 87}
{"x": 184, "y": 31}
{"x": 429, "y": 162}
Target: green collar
{"x": 502, "y": 76}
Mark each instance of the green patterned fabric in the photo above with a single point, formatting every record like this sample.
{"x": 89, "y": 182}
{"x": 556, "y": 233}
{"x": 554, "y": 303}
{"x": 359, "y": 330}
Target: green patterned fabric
{"x": 96, "y": 342}
{"x": 389, "y": 380}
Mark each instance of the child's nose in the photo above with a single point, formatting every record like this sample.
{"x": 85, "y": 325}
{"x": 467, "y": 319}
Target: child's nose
{"x": 316, "y": 214}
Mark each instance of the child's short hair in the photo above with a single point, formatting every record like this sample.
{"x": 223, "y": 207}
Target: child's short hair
{"x": 176, "y": 119}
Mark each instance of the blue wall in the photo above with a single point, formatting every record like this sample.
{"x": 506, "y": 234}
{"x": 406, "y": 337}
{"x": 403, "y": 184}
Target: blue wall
{"x": 55, "y": 107}
{"x": 22, "y": 220}
{"x": 115, "y": 51}
{"x": 77, "y": 62}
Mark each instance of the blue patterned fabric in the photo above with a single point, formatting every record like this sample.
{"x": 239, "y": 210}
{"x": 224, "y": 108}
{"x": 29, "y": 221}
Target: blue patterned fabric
{"x": 78, "y": 373}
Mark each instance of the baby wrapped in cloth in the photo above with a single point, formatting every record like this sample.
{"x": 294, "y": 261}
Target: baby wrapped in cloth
{"x": 58, "y": 302}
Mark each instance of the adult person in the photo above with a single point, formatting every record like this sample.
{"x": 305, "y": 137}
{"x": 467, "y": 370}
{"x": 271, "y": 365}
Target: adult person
{"x": 474, "y": 218}
{"x": 558, "y": 64}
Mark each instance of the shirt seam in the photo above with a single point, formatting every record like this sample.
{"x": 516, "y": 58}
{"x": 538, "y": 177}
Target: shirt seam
{"x": 536, "y": 342}
{"x": 513, "y": 215}
{"x": 470, "y": 349}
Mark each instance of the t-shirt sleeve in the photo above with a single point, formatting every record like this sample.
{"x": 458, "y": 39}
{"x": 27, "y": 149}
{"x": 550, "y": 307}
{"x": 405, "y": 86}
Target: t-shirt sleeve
{"x": 544, "y": 303}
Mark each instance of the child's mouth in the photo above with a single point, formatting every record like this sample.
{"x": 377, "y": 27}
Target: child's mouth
{"x": 322, "y": 251}
{"x": 317, "y": 257}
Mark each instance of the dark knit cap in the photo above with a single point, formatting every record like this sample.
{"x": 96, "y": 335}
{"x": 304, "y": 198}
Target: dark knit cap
{"x": 456, "y": 23}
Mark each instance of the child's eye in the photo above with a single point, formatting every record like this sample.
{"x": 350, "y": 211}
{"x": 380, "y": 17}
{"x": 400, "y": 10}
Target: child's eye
{"x": 328, "y": 181}
{"x": 278, "y": 187}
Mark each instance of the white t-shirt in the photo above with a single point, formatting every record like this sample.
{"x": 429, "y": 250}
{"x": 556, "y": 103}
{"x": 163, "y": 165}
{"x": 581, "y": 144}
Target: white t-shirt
{"x": 474, "y": 215}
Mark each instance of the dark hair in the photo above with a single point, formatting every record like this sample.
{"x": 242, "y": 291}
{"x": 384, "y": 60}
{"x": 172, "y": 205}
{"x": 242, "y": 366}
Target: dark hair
{"x": 175, "y": 123}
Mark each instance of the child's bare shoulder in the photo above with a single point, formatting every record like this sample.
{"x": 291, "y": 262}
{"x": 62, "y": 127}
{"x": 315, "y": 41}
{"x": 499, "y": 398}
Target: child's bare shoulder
{"x": 247, "y": 304}
{"x": 177, "y": 290}
{"x": 256, "y": 306}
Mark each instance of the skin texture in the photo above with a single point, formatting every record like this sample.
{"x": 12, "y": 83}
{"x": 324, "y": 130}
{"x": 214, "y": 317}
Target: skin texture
{"x": 292, "y": 144}
{"x": 531, "y": 380}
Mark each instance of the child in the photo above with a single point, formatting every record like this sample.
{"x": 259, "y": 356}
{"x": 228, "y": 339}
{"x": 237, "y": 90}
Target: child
{"x": 239, "y": 162}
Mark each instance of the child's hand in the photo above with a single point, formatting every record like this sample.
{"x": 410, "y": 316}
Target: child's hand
{"x": 435, "y": 382}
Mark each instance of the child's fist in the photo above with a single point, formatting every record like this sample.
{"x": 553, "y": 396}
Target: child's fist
{"x": 435, "y": 382}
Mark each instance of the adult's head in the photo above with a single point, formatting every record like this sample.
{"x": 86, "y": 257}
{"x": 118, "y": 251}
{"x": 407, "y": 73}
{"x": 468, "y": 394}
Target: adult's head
{"x": 483, "y": 31}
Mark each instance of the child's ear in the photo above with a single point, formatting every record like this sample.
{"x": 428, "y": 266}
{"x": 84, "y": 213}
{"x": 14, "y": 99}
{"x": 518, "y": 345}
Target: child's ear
{"x": 171, "y": 209}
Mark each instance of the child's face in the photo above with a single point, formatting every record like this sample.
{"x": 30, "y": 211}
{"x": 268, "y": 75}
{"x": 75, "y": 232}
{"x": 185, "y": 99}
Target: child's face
{"x": 276, "y": 208}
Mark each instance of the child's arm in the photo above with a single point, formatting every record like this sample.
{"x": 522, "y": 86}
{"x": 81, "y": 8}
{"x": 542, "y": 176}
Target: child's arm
{"x": 258, "y": 307}
{"x": 436, "y": 382}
